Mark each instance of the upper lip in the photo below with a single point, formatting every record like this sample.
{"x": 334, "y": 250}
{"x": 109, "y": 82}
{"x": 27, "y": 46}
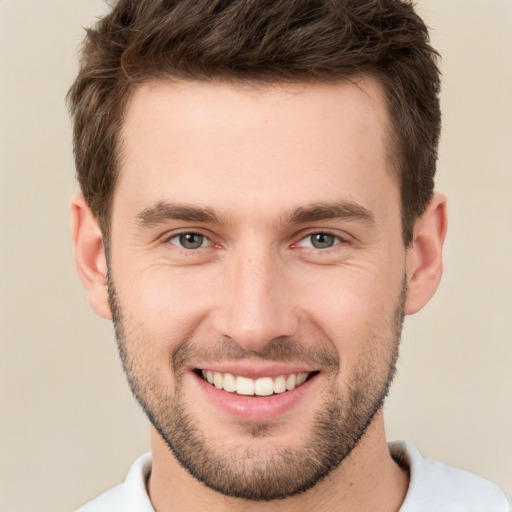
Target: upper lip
{"x": 255, "y": 370}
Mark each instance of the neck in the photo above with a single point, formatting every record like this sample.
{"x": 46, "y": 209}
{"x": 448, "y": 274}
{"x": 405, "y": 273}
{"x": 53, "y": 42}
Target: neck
{"x": 368, "y": 479}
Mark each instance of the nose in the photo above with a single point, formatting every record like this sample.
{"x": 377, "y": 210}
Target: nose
{"x": 256, "y": 306}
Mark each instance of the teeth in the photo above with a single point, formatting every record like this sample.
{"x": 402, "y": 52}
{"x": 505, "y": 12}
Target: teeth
{"x": 218, "y": 380}
{"x": 301, "y": 378}
{"x": 244, "y": 386}
{"x": 229, "y": 383}
{"x": 264, "y": 386}
{"x": 291, "y": 381}
{"x": 280, "y": 384}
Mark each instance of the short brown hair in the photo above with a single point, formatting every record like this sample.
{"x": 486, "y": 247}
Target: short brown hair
{"x": 264, "y": 41}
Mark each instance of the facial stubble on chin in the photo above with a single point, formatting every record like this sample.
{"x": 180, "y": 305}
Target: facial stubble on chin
{"x": 245, "y": 472}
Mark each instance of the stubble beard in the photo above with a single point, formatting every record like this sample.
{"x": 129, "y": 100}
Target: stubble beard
{"x": 246, "y": 472}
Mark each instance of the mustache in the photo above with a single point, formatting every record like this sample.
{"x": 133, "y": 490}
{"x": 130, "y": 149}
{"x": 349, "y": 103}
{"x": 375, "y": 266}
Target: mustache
{"x": 278, "y": 350}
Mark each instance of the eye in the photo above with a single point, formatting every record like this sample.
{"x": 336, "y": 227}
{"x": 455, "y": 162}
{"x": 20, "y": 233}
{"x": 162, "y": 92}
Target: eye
{"x": 190, "y": 240}
{"x": 320, "y": 241}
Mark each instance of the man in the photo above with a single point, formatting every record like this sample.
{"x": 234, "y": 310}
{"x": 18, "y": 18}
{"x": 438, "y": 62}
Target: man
{"x": 257, "y": 217}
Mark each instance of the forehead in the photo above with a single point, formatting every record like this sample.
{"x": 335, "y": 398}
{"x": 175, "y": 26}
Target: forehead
{"x": 227, "y": 146}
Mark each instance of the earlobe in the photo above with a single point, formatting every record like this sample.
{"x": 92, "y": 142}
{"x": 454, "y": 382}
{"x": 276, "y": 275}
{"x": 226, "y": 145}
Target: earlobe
{"x": 425, "y": 255}
{"x": 90, "y": 258}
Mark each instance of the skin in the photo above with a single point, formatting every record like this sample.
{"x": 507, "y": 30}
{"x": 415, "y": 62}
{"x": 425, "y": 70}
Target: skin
{"x": 253, "y": 156}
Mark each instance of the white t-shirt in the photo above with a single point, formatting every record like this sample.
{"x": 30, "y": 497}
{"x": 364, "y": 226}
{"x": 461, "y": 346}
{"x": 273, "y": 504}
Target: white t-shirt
{"x": 433, "y": 487}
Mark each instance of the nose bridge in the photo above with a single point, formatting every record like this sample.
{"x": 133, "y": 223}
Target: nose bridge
{"x": 257, "y": 306}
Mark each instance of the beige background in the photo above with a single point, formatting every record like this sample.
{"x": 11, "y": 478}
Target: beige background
{"x": 69, "y": 427}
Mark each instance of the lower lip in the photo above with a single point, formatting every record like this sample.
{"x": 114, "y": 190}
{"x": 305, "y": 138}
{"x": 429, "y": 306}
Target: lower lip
{"x": 251, "y": 408}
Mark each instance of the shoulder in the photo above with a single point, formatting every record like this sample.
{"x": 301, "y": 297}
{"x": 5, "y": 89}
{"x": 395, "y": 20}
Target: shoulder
{"x": 437, "y": 487}
{"x": 129, "y": 496}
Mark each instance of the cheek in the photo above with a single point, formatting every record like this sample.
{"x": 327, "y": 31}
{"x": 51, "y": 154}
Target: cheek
{"x": 160, "y": 311}
{"x": 167, "y": 299}
{"x": 354, "y": 311}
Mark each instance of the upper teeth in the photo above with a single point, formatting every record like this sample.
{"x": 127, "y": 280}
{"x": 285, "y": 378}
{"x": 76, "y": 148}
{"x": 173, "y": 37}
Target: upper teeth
{"x": 263, "y": 386}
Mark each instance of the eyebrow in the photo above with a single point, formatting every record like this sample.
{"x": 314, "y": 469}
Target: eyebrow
{"x": 163, "y": 211}
{"x": 345, "y": 210}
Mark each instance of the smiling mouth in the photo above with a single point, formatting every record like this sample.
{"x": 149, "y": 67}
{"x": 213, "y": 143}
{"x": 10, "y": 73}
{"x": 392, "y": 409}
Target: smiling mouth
{"x": 263, "y": 386}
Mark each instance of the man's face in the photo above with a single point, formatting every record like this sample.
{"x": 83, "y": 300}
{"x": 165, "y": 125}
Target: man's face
{"x": 256, "y": 242}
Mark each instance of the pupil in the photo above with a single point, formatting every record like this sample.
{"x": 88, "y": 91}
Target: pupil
{"x": 322, "y": 240}
{"x": 191, "y": 240}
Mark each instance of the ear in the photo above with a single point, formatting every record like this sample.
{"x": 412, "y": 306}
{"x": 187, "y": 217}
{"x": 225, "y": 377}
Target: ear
{"x": 90, "y": 260}
{"x": 425, "y": 255}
